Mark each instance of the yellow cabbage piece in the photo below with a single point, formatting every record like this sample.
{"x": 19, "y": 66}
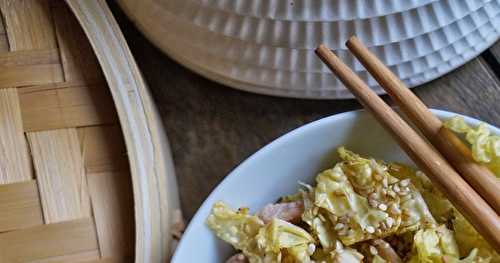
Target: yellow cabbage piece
{"x": 278, "y": 241}
{"x": 431, "y": 244}
{"x": 485, "y": 147}
{"x": 238, "y": 228}
{"x": 357, "y": 198}
{"x": 468, "y": 240}
{"x": 466, "y": 236}
{"x": 279, "y": 234}
{"x": 439, "y": 206}
{"x": 338, "y": 255}
{"x": 438, "y": 245}
{"x": 378, "y": 259}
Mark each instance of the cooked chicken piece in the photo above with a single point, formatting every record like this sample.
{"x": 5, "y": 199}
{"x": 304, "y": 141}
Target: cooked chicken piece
{"x": 291, "y": 211}
{"x": 386, "y": 251}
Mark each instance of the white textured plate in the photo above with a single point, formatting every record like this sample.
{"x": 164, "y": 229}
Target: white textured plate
{"x": 276, "y": 169}
{"x": 297, "y": 83}
{"x": 318, "y": 10}
{"x": 266, "y": 46}
{"x": 374, "y": 31}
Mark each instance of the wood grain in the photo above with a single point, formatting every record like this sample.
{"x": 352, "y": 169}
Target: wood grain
{"x": 105, "y": 260}
{"x": 85, "y": 256}
{"x": 112, "y": 209}
{"x": 52, "y": 91}
{"x": 4, "y": 44}
{"x": 153, "y": 176}
{"x": 63, "y": 188}
{"x": 447, "y": 143}
{"x": 495, "y": 50}
{"x": 76, "y": 52}
{"x": 73, "y": 106}
{"x": 103, "y": 149}
{"x": 472, "y": 90}
{"x": 212, "y": 128}
{"x": 22, "y": 68}
{"x": 484, "y": 219}
{"x": 19, "y": 206}
{"x": 46, "y": 241}
{"x": 28, "y": 24}
{"x": 15, "y": 165}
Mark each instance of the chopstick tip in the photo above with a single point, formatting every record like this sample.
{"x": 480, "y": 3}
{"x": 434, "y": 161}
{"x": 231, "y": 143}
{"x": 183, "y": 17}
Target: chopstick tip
{"x": 321, "y": 47}
{"x": 321, "y": 50}
{"x": 352, "y": 39}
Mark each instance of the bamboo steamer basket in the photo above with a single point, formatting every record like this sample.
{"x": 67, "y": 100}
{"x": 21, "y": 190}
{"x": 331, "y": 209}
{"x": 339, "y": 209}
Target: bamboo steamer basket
{"x": 85, "y": 168}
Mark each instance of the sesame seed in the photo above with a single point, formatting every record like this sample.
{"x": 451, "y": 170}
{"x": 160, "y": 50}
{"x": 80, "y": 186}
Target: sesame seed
{"x": 394, "y": 209}
{"x": 344, "y": 219}
{"x": 311, "y": 248}
{"x": 384, "y": 182}
{"x": 391, "y": 193}
{"x": 339, "y": 226}
{"x": 382, "y": 207}
{"x": 240, "y": 257}
{"x": 404, "y": 182}
{"x": 373, "y": 250}
{"x": 378, "y": 177}
{"x": 389, "y": 222}
{"x": 396, "y": 188}
{"x": 372, "y": 202}
{"x": 338, "y": 245}
{"x": 370, "y": 229}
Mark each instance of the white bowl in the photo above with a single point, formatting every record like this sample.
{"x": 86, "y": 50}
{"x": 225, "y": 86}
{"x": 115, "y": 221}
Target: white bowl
{"x": 275, "y": 170}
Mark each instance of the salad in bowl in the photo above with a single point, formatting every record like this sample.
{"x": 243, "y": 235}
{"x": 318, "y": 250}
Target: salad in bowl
{"x": 356, "y": 208}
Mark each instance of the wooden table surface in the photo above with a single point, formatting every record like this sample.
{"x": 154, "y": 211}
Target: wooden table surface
{"x": 213, "y": 128}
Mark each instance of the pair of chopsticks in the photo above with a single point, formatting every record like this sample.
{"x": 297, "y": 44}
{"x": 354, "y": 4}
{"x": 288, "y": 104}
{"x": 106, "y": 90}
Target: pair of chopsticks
{"x": 475, "y": 192}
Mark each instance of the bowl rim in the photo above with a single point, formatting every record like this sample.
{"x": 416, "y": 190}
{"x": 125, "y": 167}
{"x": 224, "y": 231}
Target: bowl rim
{"x": 233, "y": 174}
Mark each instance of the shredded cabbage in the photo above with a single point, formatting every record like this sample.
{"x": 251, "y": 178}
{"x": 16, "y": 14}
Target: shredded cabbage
{"x": 430, "y": 245}
{"x": 278, "y": 241}
{"x": 355, "y": 202}
{"x": 466, "y": 236}
{"x": 438, "y": 245}
{"x": 439, "y": 206}
{"x": 468, "y": 239}
{"x": 280, "y": 234}
{"x": 362, "y": 201}
{"x": 485, "y": 147}
{"x": 338, "y": 255}
{"x": 378, "y": 259}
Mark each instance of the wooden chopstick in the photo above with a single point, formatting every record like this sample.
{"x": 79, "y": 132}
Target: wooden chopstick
{"x": 446, "y": 142}
{"x": 462, "y": 195}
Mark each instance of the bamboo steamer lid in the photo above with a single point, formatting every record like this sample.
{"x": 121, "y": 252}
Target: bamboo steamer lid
{"x": 85, "y": 169}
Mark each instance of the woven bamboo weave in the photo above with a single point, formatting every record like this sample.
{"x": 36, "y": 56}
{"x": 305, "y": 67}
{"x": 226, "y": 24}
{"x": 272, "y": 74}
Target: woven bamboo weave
{"x": 65, "y": 190}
